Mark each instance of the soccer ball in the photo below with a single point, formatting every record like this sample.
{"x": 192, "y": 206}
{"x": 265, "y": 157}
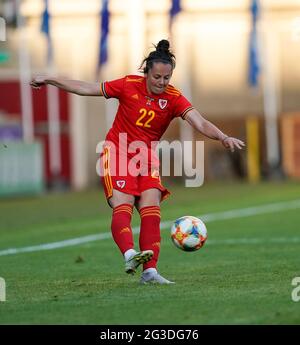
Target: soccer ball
{"x": 188, "y": 233}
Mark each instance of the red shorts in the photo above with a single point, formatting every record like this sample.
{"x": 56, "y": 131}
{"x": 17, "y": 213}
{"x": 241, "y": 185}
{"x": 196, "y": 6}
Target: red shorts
{"x": 115, "y": 175}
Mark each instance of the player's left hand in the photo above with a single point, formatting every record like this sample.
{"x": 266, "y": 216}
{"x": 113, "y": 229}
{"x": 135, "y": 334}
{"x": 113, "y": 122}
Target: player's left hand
{"x": 233, "y": 143}
{"x": 38, "y": 81}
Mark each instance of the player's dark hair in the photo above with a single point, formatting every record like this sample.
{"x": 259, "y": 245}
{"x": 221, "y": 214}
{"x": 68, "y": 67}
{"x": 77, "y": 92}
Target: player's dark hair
{"x": 161, "y": 53}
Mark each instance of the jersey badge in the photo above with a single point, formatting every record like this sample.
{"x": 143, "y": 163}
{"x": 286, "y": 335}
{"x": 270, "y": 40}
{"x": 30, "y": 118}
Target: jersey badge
{"x": 162, "y": 103}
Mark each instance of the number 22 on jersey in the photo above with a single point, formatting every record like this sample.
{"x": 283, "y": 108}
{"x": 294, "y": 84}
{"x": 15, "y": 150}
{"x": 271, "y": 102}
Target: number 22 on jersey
{"x": 145, "y": 118}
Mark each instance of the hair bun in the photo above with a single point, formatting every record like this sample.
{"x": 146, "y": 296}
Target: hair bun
{"x": 162, "y": 53}
{"x": 163, "y": 45}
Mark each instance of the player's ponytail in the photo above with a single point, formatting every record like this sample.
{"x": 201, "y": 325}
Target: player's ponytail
{"x": 162, "y": 53}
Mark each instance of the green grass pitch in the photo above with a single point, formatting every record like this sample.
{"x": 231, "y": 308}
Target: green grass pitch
{"x": 243, "y": 274}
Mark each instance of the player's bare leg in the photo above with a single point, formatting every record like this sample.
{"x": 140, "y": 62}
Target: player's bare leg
{"x": 118, "y": 198}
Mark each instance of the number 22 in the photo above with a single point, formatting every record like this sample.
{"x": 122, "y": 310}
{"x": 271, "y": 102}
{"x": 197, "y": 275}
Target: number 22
{"x": 144, "y": 113}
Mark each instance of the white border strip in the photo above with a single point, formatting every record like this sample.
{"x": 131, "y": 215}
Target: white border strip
{"x": 210, "y": 217}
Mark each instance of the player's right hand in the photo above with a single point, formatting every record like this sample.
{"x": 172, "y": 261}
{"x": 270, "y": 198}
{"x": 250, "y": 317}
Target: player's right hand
{"x": 38, "y": 81}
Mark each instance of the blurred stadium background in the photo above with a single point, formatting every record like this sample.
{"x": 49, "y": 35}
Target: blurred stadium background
{"x": 238, "y": 63}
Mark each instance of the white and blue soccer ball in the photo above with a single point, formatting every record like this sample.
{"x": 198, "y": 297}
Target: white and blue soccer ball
{"x": 188, "y": 233}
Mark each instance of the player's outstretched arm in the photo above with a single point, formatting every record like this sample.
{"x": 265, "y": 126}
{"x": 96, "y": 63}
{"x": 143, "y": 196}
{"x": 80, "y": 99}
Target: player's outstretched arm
{"x": 78, "y": 87}
{"x": 196, "y": 120}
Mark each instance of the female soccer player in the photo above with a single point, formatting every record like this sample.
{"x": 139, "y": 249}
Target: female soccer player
{"x": 147, "y": 105}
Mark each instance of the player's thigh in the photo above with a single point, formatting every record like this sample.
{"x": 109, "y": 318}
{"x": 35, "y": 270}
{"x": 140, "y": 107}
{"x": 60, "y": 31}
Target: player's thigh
{"x": 119, "y": 198}
{"x": 149, "y": 197}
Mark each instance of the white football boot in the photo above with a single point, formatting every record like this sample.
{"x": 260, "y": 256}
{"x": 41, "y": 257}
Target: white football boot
{"x": 151, "y": 276}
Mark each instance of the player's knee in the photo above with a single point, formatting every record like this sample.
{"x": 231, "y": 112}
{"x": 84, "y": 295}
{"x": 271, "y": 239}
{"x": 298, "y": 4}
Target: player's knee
{"x": 150, "y": 197}
{"x": 118, "y": 198}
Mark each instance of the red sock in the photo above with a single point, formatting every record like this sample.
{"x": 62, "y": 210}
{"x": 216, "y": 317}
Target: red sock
{"x": 150, "y": 233}
{"x": 121, "y": 227}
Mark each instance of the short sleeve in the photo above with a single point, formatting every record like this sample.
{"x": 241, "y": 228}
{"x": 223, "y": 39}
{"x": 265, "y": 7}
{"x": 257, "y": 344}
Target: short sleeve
{"x": 181, "y": 107}
{"x": 113, "y": 89}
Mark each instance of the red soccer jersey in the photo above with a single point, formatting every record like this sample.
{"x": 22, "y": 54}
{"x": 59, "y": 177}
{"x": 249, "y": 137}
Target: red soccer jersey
{"x": 141, "y": 115}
